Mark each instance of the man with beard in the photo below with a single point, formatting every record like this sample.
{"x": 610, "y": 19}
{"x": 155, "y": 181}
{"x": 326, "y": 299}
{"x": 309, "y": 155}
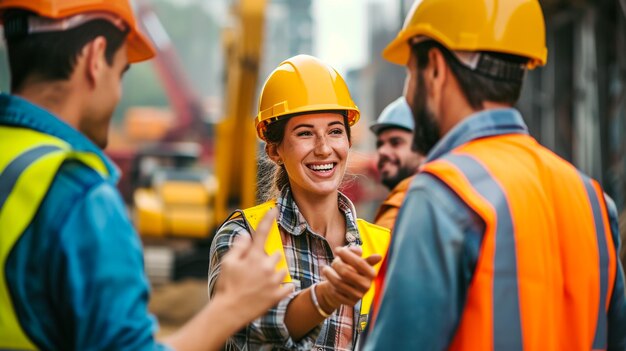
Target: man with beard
{"x": 397, "y": 162}
{"x": 499, "y": 244}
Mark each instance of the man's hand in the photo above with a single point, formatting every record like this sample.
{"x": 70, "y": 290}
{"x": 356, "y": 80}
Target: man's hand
{"x": 348, "y": 278}
{"x": 248, "y": 286}
{"x": 248, "y": 276}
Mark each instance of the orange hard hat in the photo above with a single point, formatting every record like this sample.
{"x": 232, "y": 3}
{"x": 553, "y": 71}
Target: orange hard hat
{"x": 139, "y": 46}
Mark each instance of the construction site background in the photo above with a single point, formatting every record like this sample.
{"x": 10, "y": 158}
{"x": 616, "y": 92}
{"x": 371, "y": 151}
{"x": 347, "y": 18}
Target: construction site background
{"x": 575, "y": 105}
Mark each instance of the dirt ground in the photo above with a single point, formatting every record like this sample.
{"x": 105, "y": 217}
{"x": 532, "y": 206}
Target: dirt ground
{"x": 175, "y": 303}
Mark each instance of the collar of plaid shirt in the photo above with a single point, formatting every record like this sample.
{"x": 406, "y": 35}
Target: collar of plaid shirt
{"x": 292, "y": 220}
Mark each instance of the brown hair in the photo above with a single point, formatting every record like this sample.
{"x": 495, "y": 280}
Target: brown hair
{"x": 52, "y": 56}
{"x": 274, "y": 177}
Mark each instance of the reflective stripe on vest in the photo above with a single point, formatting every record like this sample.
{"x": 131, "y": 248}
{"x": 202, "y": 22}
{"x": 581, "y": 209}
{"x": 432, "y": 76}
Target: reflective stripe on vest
{"x": 606, "y": 259}
{"x": 375, "y": 241}
{"x": 28, "y": 163}
{"x": 545, "y": 271}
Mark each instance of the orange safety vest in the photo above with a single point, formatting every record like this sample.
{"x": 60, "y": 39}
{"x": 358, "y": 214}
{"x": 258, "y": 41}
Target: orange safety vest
{"x": 375, "y": 240}
{"x": 547, "y": 264}
{"x": 388, "y": 210}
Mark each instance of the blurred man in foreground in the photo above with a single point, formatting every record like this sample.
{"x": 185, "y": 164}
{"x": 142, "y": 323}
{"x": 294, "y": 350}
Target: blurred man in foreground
{"x": 71, "y": 274}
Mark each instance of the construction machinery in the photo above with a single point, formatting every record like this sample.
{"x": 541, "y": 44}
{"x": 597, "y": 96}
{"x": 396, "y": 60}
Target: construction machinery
{"x": 236, "y": 143}
{"x": 171, "y": 197}
{"x": 183, "y": 184}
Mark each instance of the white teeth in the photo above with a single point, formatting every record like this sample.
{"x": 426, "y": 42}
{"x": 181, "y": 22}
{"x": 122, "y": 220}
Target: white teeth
{"x": 325, "y": 167}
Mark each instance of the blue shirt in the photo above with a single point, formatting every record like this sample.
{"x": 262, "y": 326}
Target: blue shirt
{"x": 429, "y": 270}
{"x": 76, "y": 275}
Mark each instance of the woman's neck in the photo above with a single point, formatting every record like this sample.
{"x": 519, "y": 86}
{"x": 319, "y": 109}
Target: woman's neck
{"x": 322, "y": 214}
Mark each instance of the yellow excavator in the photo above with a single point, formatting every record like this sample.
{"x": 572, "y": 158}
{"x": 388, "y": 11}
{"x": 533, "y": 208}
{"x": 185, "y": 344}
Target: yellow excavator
{"x": 172, "y": 198}
{"x": 193, "y": 174}
{"x": 236, "y": 142}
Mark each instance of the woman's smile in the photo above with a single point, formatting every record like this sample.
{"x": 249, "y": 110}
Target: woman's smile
{"x": 325, "y": 170}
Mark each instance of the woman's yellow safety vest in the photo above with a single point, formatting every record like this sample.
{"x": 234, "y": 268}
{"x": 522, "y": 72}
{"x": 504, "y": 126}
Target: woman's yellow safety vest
{"x": 375, "y": 241}
{"x": 29, "y": 162}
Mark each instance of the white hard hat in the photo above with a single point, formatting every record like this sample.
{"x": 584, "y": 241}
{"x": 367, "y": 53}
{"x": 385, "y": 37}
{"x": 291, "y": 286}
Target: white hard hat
{"x": 396, "y": 115}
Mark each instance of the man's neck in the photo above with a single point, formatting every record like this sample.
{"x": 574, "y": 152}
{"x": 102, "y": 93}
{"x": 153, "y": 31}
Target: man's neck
{"x": 58, "y": 98}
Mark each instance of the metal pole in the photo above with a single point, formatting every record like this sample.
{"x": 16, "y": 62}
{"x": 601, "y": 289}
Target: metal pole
{"x": 403, "y": 13}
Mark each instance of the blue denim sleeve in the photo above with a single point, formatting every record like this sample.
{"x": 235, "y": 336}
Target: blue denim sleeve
{"x": 617, "y": 307}
{"x": 434, "y": 250}
{"x": 103, "y": 289}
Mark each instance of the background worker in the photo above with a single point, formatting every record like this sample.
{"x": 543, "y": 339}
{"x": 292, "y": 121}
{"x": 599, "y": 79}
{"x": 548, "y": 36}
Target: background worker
{"x": 305, "y": 115}
{"x": 397, "y": 162}
{"x": 72, "y": 275}
{"x": 500, "y": 244}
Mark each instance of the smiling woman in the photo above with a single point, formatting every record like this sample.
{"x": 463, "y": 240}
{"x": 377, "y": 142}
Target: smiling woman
{"x": 305, "y": 114}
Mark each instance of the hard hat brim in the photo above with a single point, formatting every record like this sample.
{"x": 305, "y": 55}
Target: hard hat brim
{"x": 261, "y": 123}
{"x": 398, "y": 51}
{"x": 140, "y": 48}
{"x": 379, "y": 127}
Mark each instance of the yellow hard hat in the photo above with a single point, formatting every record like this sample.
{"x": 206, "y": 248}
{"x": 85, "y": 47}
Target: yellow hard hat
{"x": 303, "y": 84}
{"x": 139, "y": 46}
{"x": 506, "y": 26}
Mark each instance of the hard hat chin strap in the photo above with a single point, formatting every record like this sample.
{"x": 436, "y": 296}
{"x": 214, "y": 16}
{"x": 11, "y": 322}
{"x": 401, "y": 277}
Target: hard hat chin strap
{"x": 17, "y": 26}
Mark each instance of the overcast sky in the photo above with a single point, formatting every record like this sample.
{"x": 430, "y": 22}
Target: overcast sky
{"x": 340, "y": 28}
{"x": 340, "y": 36}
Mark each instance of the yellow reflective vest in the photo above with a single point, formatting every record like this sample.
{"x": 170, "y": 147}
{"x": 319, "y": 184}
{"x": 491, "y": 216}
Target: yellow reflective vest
{"x": 29, "y": 162}
{"x": 375, "y": 240}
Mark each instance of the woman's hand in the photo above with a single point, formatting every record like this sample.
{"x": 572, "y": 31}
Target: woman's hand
{"x": 347, "y": 279}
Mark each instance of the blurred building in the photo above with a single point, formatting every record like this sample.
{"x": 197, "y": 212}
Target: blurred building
{"x": 576, "y": 104}
{"x": 379, "y": 82}
{"x": 288, "y": 32}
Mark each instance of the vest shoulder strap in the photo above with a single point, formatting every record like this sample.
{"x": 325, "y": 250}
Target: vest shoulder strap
{"x": 274, "y": 242}
{"x": 254, "y": 214}
{"x": 448, "y": 172}
{"x": 17, "y": 141}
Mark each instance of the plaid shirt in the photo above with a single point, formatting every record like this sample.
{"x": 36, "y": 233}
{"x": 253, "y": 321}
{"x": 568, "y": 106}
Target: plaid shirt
{"x": 306, "y": 253}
